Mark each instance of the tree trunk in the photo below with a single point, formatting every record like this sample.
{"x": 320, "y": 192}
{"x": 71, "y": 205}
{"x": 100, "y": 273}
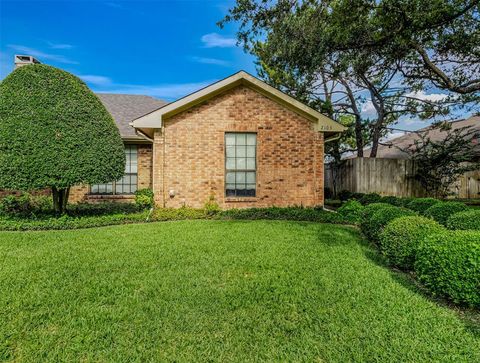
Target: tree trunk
{"x": 60, "y": 199}
{"x": 375, "y": 141}
{"x": 359, "y": 136}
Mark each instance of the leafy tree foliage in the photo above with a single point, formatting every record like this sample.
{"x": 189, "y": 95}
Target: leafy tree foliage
{"x": 55, "y": 133}
{"x": 440, "y": 162}
{"x": 342, "y": 55}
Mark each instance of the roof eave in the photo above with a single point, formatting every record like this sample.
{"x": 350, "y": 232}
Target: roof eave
{"x": 155, "y": 118}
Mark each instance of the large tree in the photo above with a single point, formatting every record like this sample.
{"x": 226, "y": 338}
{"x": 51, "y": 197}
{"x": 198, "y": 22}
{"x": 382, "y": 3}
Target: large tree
{"x": 55, "y": 133}
{"x": 301, "y": 47}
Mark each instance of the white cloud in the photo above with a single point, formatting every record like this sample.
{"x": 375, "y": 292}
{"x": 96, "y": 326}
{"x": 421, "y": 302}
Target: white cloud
{"x": 42, "y": 56}
{"x": 59, "y": 45}
{"x": 422, "y": 95}
{"x": 215, "y": 61}
{"x": 96, "y": 80}
{"x": 393, "y": 135}
{"x": 215, "y": 40}
{"x": 368, "y": 110}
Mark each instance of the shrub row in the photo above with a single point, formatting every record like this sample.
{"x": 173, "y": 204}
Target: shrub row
{"x": 447, "y": 262}
{"x": 96, "y": 215}
{"x": 288, "y": 213}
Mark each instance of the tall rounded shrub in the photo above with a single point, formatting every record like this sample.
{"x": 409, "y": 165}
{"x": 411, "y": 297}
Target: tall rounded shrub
{"x": 401, "y": 238}
{"x": 55, "y": 133}
{"x": 382, "y": 217}
{"x": 448, "y": 263}
{"x": 443, "y": 210}
{"x": 469, "y": 219}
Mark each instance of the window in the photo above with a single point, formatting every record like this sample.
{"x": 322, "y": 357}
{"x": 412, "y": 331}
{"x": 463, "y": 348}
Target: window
{"x": 128, "y": 183}
{"x": 240, "y": 164}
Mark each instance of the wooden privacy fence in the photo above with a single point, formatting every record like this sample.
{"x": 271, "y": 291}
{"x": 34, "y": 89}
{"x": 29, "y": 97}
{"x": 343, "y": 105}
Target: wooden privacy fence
{"x": 391, "y": 177}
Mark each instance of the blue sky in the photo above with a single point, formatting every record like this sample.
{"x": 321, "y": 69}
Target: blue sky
{"x": 161, "y": 48}
{"x": 164, "y": 49}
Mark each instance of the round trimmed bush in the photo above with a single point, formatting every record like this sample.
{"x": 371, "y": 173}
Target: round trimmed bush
{"x": 448, "y": 263}
{"x": 443, "y": 210}
{"x": 351, "y": 211}
{"x": 372, "y": 220}
{"x": 420, "y": 205}
{"x": 401, "y": 237}
{"x": 469, "y": 219}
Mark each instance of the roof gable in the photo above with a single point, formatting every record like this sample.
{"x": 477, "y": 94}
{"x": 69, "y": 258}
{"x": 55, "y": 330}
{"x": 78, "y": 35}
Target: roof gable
{"x": 155, "y": 118}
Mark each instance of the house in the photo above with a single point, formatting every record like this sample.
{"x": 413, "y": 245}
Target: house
{"x": 394, "y": 148}
{"x": 238, "y": 141}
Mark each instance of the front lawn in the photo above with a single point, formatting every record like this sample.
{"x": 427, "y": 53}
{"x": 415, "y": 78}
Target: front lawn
{"x": 216, "y": 291}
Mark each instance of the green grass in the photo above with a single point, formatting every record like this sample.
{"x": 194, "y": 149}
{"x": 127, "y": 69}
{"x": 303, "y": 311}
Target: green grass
{"x": 216, "y": 291}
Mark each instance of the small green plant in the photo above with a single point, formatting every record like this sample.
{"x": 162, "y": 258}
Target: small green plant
{"x": 401, "y": 237}
{"x": 390, "y": 199}
{"x": 16, "y": 205}
{"x": 420, "y": 205}
{"x": 469, "y": 219}
{"x": 448, "y": 263}
{"x": 211, "y": 206}
{"x": 371, "y": 198}
{"x": 144, "y": 198}
{"x": 351, "y": 211}
{"x": 443, "y": 210}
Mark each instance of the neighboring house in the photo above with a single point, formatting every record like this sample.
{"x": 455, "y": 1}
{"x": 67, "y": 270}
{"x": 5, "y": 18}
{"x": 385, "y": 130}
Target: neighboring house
{"x": 238, "y": 141}
{"x": 394, "y": 148}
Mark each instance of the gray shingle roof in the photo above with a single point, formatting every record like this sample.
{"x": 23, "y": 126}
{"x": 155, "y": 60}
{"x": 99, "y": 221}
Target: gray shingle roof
{"x": 395, "y": 150}
{"x": 126, "y": 108}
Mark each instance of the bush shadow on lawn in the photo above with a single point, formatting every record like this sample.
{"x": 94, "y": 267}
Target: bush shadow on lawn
{"x": 469, "y": 316}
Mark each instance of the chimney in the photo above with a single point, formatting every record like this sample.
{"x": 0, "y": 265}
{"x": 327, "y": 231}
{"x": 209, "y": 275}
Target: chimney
{"x": 22, "y": 60}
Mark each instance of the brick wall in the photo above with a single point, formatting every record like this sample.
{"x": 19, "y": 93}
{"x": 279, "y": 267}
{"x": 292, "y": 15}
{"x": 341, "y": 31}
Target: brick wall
{"x": 79, "y": 193}
{"x": 189, "y": 153}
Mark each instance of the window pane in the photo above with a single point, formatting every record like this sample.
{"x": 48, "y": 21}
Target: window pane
{"x": 251, "y": 177}
{"x": 230, "y": 151}
{"x": 240, "y": 177}
{"x": 241, "y": 139}
{"x": 241, "y": 151}
{"x": 230, "y": 178}
{"x": 230, "y": 163}
{"x": 251, "y": 186}
{"x": 230, "y": 139}
{"x": 250, "y": 164}
{"x": 241, "y": 164}
{"x": 251, "y": 139}
{"x": 251, "y": 151}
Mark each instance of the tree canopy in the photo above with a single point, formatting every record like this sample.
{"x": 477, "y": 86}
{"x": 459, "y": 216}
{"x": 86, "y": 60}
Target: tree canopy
{"x": 341, "y": 56}
{"x": 55, "y": 133}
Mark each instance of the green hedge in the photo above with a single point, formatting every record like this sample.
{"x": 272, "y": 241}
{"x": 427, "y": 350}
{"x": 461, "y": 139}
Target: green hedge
{"x": 469, "y": 219}
{"x": 289, "y": 213}
{"x": 401, "y": 238}
{"x": 448, "y": 264}
{"x": 351, "y": 211}
{"x": 443, "y": 210}
{"x": 420, "y": 205}
{"x": 71, "y": 222}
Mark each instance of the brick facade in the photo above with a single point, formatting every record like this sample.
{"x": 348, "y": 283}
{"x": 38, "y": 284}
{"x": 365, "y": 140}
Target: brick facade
{"x": 80, "y": 193}
{"x": 189, "y": 153}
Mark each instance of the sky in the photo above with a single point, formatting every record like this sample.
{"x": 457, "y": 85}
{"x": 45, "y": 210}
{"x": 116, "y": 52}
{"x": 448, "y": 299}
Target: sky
{"x": 165, "y": 49}
{"x": 160, "y": 48}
